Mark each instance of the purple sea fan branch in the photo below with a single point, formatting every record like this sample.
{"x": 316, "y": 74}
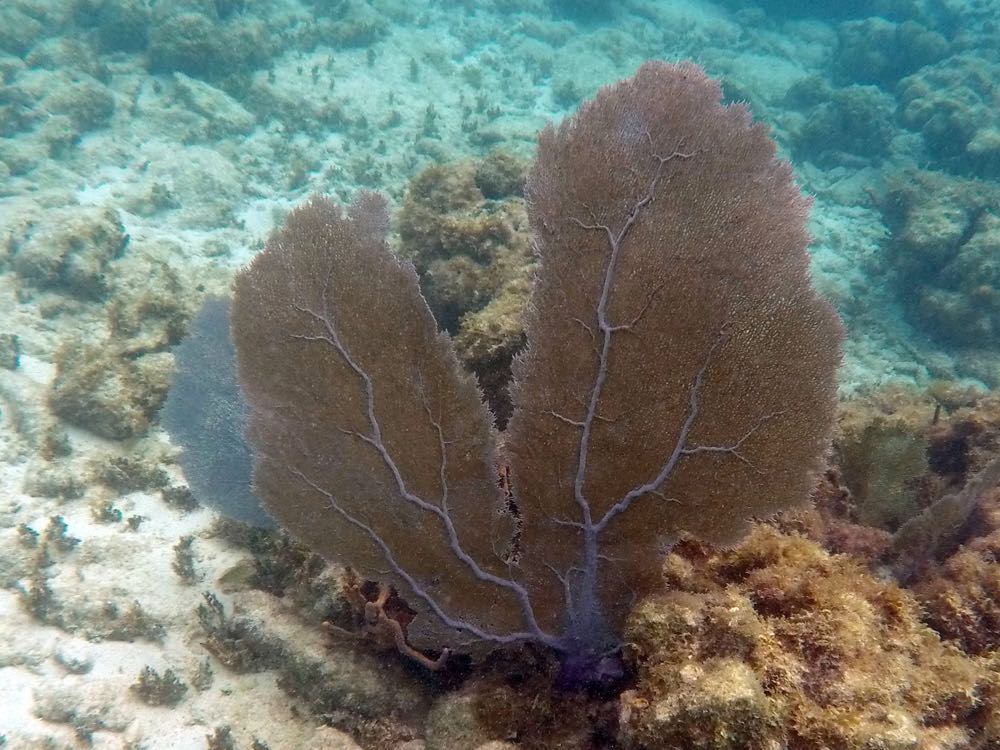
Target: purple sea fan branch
{"x": 583, "y": 607}
{"x": 422, "y": 594}
{"x": 376, "y": 441}
{"x": 653, "y": 486}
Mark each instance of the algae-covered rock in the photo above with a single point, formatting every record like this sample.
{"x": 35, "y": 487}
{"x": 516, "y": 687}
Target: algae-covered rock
{"x": 69, "y": 250}
{"x": 723, "y": 703}
{"x": 943, "y": 250}
{"x": 501, "y": 175}
{"x": 61, "y": 52}
{"x": 880, "y": 465}
{"x": 149, "y": 305}
{"x": 853, "y": 121}
{"x": 952, "y": 105}
{"x": 475, "y": 262}
{"x": 100, "y": 388}
{"x": 455, "y": 238}
{"x": 353, "y": 23}
{"x": 776, "y": 643}
{"x": 88, "y": 103}
{"x": 20, "y": 29}
{"x": 488, "y": 340}
{"x": 120, "y": 25}
{"x": 697, "y": 686}
{"x": 225, "y": 116}
{"x": 454, "y": 722}
{"x": 196, "y": 39}
{"x": 115, "y": 385}
{"x": 878, "y": 51}
{"x": 960, "y": 596}
{"x": 515, "y": 696}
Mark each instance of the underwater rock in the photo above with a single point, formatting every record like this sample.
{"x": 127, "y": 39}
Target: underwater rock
{"x": 226, "y": 117}
{"x": 10, "y": 351}
{"x": 881, "y": 466}
{"x": 825, "y": 9}
{"x": 853, "y": 123}
{"x": 191, "y": 38}
{"x": 114, "y": 386}
{"x": 961, "y": 597}
{"x": 583, "y": 10}
{"x": 101, "y": 388}
{"x": 513, "y": 697}
{"x": 474, "y": 257}
{"x": 69, "y": 250}
{"x": 19, "y": 156}
{"x": 500, "y": 174}
{"x": 945, "y": 239}
{"x": 70, "y": 54}
{"x": 150, "y": 303}
{"x": 776, "y": 643}
{"x": 879, "y": 51}
{"x": 350, "y": 23}
{"x": 185, "y": 42}
{"x": 452, "y": 722}
{"x": 87, "y": 102}
{"x": 464, "y": 247}
{"x": 484, "y": 711}
{"x": 20, "y": 29}
{"x": 120, "y": 25}
{"x": 909, "y": 471}
{"x": 488, "y": 340}
{"x": 952, "y": 105}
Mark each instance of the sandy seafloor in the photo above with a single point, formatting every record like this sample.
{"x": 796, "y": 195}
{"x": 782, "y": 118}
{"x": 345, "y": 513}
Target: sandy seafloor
{"x": 197, "y": 178}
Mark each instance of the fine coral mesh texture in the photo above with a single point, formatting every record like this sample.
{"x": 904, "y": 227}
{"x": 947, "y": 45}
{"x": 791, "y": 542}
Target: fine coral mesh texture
{"x": 711, "y": 277}
{"x": 346, "y": 470}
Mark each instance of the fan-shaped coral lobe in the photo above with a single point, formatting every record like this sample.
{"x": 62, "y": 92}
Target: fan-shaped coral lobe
{"x": 679, "y": 378}
{"x": 373, "y": 447}
{"x": 680, "y": 375}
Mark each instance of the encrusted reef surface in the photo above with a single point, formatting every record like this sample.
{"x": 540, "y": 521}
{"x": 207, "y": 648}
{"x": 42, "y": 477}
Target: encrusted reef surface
{"x": 778, "y": 643}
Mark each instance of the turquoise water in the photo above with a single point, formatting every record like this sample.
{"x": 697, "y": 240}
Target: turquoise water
{"x": 149, "y": 147}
